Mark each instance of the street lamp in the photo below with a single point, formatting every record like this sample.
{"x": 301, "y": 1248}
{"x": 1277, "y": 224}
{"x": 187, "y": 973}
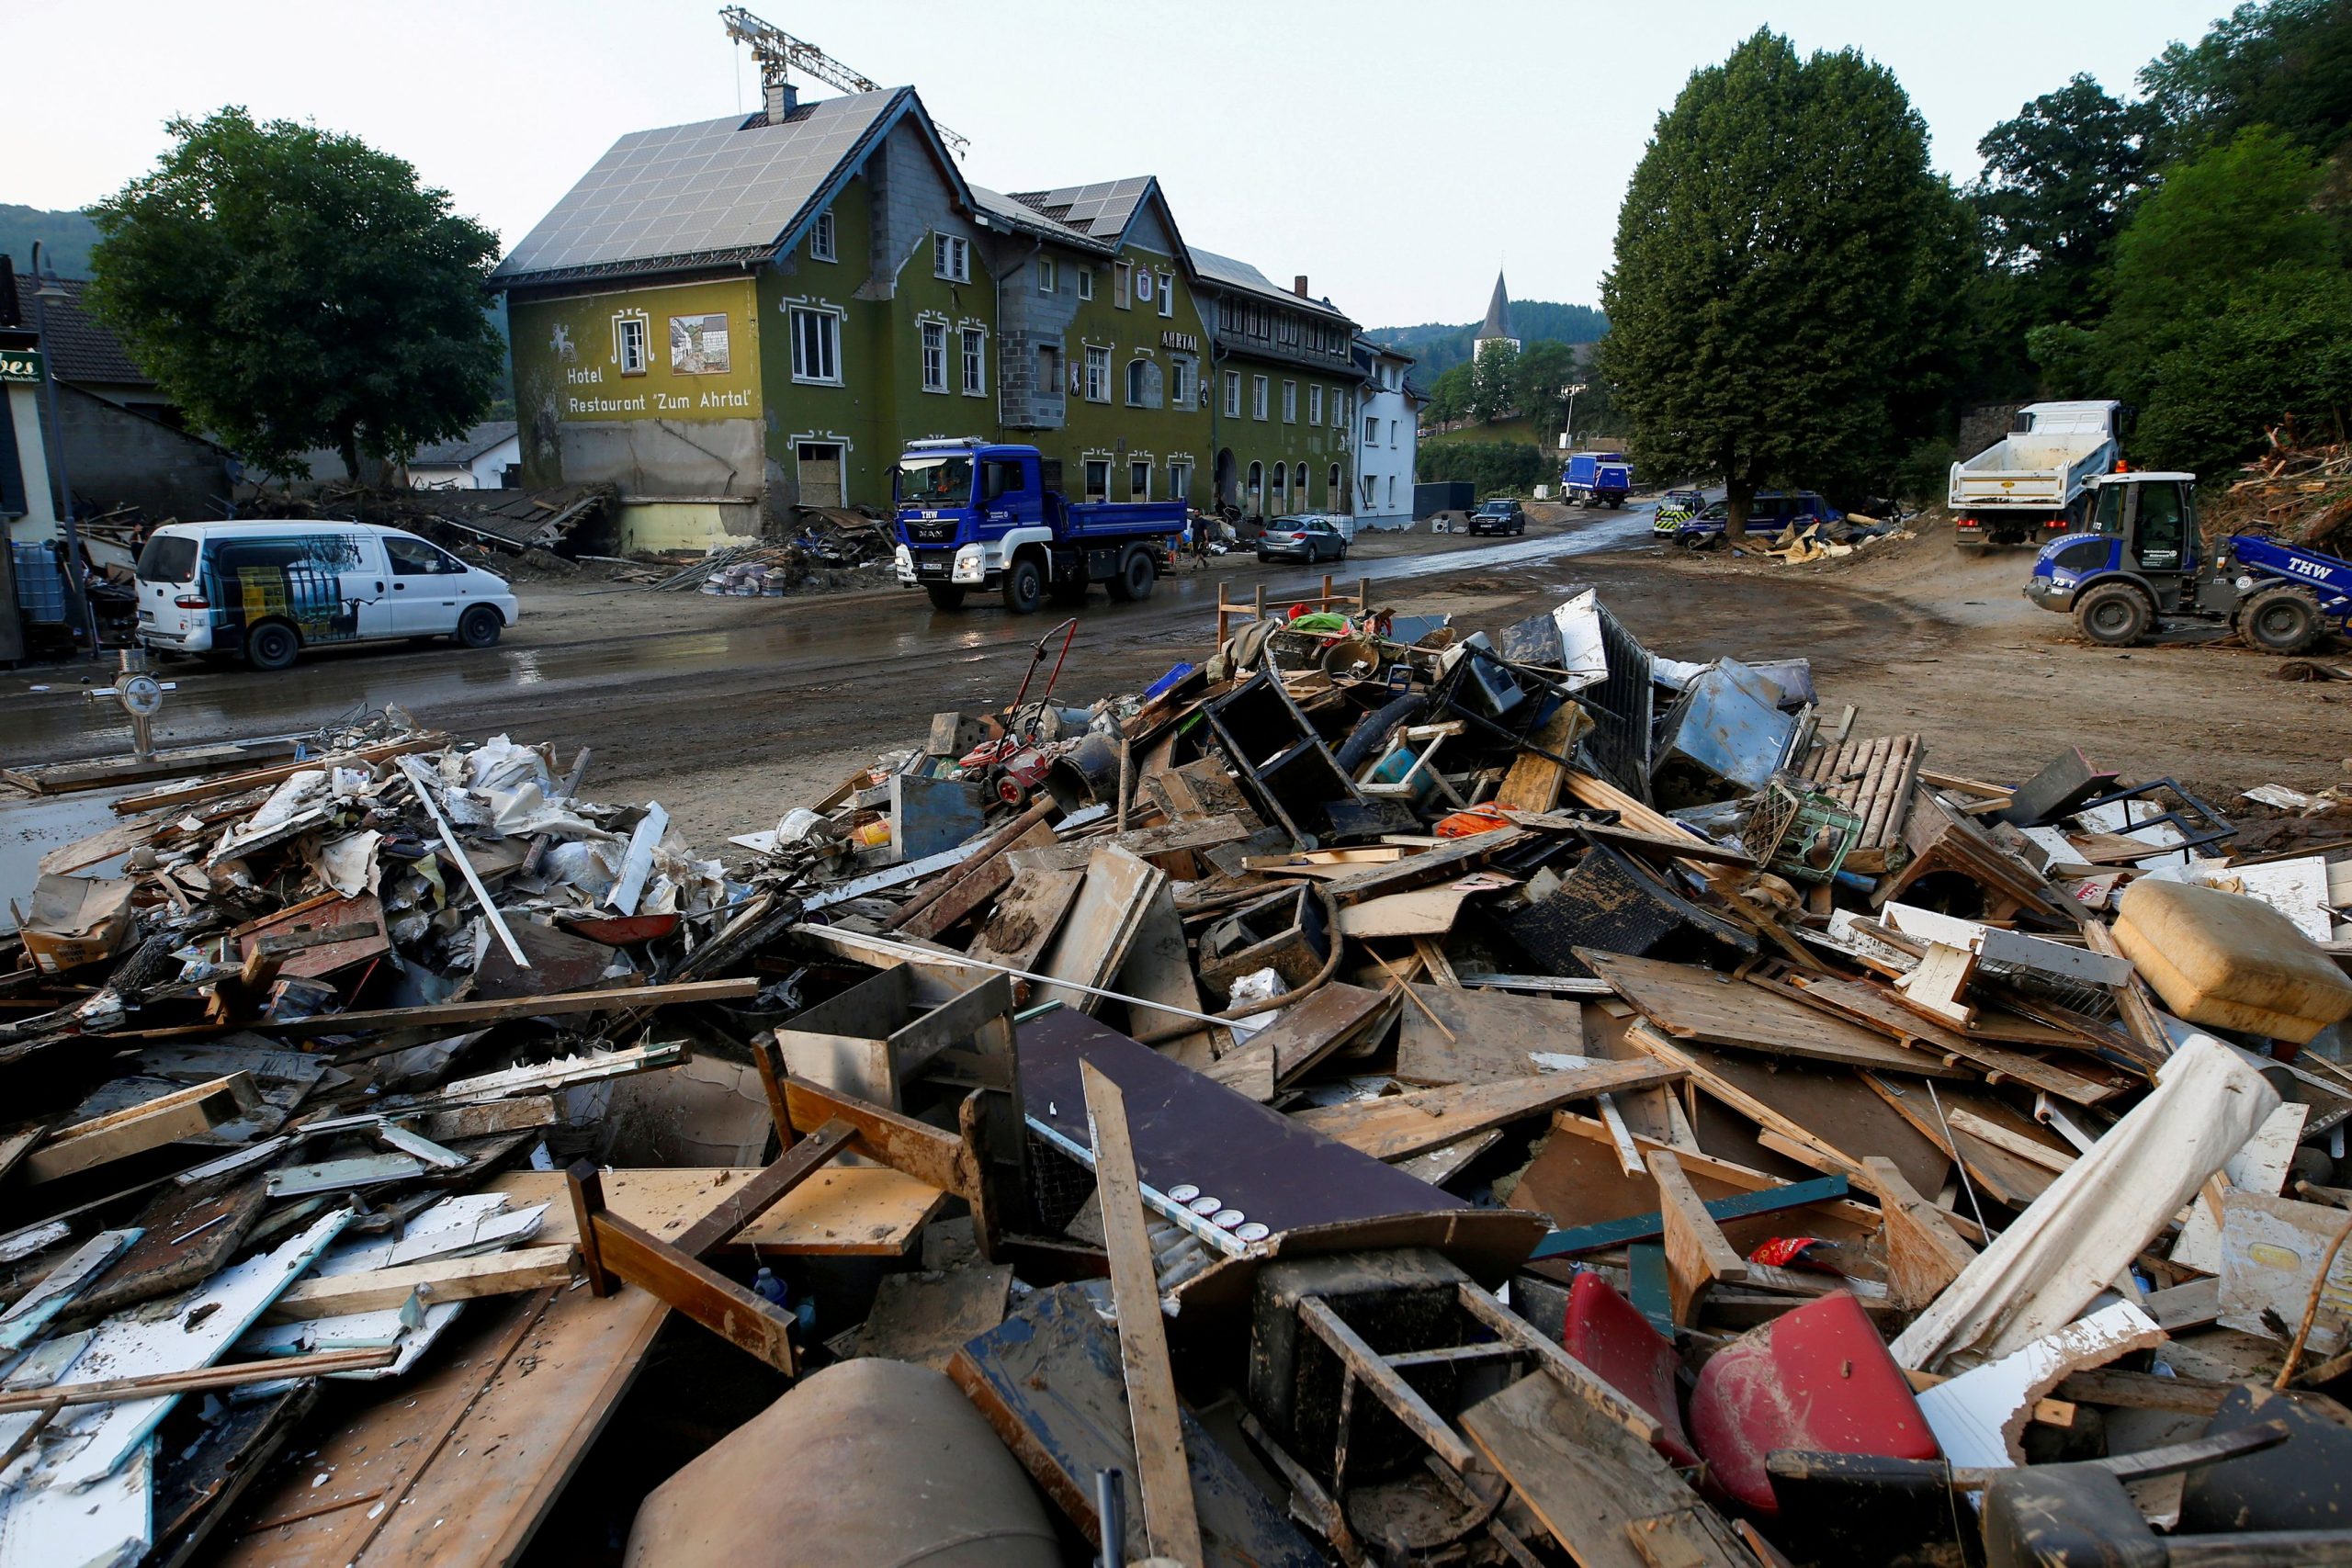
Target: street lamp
{"x": 1567, "y": 437}
{"x": 46, "y": 286}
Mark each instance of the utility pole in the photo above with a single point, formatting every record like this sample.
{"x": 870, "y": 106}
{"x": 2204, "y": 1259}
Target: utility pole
{"x": 46, "y": 286}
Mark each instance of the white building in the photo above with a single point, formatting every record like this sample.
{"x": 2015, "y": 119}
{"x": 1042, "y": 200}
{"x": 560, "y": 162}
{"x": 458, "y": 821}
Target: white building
{"x": 1497, "y": 327}
{"x": 488, "y": 456}
{"x": 1387, "y": 423}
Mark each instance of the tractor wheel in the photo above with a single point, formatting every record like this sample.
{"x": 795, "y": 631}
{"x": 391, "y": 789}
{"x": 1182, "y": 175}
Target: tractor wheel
{"x": 2281, "y": 619}
{"x": 2113, "y": 614}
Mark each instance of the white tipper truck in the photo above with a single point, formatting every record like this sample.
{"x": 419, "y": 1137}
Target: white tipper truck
{"x": 2033, "y": 483}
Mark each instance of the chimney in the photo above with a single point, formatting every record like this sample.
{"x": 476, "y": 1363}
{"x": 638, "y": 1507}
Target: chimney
{"x": 780, "y": 97}
{"x": 1299, "y": 285}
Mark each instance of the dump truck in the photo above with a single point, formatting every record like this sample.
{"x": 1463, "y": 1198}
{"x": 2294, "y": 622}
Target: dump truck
{"x": 2031, "y": 484}
{"x": 2142, "y": 560}
{"x": 974, "y": 513}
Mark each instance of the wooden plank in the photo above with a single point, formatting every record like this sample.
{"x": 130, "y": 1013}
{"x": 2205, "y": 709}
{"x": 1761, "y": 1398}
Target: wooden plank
{"x": 1027, "y": 916}
{"x": 862, "y": 1210}
{"x": 1455, "y": 1036}
{"x": 1873, "y": 1008}
{"x": 1428, "y": 911}
{"x": 1592, "y": 1482}
{"x": 481, "y": 1014}
{"x": 1162, "y": 1475}
{"x": 1691, "y": 1003}
{"x": 1419, "y": 871}
{"x": 1101, "y": 927}
{"x": 1995, "y": 1169}
{"x": 752, "y": 1199}
{"x": 159, "y": 1385}
{"x": 1404, "y": 1402}
{"x": 747, "y": 1322}
{"x": 1302, "y": 1036}
{"x": 139, "y": 1128}
{"x": 237, "y": 783}
{"x": 511, "y": 1274}
{"x": 1924, "y": 1254}
{"x": 1396, "y": 1127}
{"x": 1769, "y": 1200}
{"x": 1696, "y": 1253}
{"x": 920, "y": 1150}
{"x": 1832, "y": 1115}
{"x": 2049, "y": 1156}
{"x": 1534, "y": 782}
{"x": 119, "y": 838}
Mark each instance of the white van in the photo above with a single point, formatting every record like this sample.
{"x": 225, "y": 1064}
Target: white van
{"x": 266, "y": 591}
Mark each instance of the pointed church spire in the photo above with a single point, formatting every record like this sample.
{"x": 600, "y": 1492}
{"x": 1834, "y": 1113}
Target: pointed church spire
{"x": 1496, "y": 326}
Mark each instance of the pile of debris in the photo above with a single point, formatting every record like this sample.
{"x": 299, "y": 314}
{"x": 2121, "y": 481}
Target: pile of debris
{"x": 1381, "y": 1094}
{"x": 830, "y": 545}
{"x": 2301, "y": 494}
{"x": 514, "y": 521}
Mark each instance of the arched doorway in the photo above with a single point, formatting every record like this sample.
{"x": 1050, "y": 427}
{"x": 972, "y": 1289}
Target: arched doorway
{"x": 1279, "y": 497}
{"x": 1227, "y": 487}
{"x": 1340, "y": 500}
{"x": 1253, "y": 500}
{"x": 1298, "y": 479}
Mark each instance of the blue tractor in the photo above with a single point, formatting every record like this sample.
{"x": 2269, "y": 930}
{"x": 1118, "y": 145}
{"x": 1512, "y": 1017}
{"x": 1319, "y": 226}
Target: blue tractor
{"x": 2142, "y": 558}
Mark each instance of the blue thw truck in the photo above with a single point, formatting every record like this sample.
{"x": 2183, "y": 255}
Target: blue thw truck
{"x": 1596, "y": 479}
{"x": 2144, "y": 558}
{"x": 974, "y": 514}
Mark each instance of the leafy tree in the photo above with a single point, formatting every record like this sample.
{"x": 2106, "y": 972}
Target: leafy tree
{"x": 1491, "y": 380}
{"x": 2058, "y": 180}
{"x": 1544, "y": 368}
{"x": 294, "y": 288}
{"x": 2216, "y": 223}
{"x": 1770, "y": 250}
{"x": 2279, "y": 352}
{"x": 2288, "y": 63}
{"x": 1491, "y": 465}
{"x": 1449, "y": 395}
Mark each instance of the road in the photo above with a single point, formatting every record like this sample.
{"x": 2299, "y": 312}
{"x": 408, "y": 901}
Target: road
{"x": 799, "y": 679}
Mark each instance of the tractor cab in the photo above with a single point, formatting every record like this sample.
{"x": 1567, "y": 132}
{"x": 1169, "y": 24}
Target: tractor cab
{"x": 2141, "y": 528}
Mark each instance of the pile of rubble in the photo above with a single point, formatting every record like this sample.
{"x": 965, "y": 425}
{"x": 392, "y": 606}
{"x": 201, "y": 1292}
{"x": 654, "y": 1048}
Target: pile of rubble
{"x": 2302, "y": 494}
{"x": 1381, "y": 1094}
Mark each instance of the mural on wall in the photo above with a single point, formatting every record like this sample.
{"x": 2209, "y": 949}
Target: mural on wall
{"x": 698, "y": 345}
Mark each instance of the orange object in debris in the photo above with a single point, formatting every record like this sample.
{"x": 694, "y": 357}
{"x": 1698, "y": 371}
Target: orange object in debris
{"x": 1477, "y": 820}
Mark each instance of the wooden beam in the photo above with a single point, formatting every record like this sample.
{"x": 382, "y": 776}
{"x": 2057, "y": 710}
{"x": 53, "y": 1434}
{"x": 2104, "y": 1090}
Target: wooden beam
{"x": 481, "y": 1014}
{"x": 139, "y": 1128}
{"x": 237, "y": 783}
{"x": 1163, "y": 1474}
{"x": 441, "y": 1281}
{"x": 158, "y": 1385}
{"x": 1365, "y": 1364}
{"x": 913, "y": 1148}
{"x": 1696, "y": 1253}
{"x": 763, "y": 1191}
{"x": 1398, "y": 1125}
{"x": 619, "y": 1250}
{"x": 1606, "y": 1233}
{"x": 1924, "y": 1254}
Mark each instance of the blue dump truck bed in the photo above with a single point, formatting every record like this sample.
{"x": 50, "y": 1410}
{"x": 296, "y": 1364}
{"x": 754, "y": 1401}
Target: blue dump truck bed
{"x": 1596, "y": 479}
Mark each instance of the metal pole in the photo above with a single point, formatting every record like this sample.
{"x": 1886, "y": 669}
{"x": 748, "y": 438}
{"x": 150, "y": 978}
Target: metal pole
{"x": 57, "y": 457}
{"x": 1111, "y": 1518}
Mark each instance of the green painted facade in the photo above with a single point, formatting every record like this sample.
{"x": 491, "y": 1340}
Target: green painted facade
{"x": 1314, "y": 435}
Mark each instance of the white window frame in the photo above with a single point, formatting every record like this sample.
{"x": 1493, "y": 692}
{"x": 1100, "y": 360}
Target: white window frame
{"x": 1290, "y": 402}
{"x": 1371, "y": 489}
{"x": 976, "y": 362}
{"x": 1139, "y": 465}
{"x": 633, "y": 331}
{"x": 820, "y": 238}
{"x": 831, "y": 337}
{"x": 1098, "y": 374}
{"x": 1138, "y": 381}
{"x": 1233, "y": 394}
{"x": 951, "y": 257}
{"x": 1123, "y": 289}
{"x": 1044, "y": 274}
{"x": 1371, "y": 431}
{"x": 1339, "y": 408}
{"x": 1179, "y": 381}
{"x": 1392, "y": 435}
{"x": 1180, "y": 480}
{"x": 1392, "y": 489}
{"x": 1259, "y": 390}
{"x": 1314, "y": 405}
{"x": 1086, "y": 476}
{"x": 1086, "y": 283}
{"x": 934, "y": 356}
{"x": 1167, "y": 282}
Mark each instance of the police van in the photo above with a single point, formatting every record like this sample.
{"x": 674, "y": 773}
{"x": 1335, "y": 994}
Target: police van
{"x": 265, "y": 591}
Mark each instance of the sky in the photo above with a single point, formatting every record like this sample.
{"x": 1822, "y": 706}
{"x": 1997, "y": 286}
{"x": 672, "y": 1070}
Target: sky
{"x": 1395, "y": 152}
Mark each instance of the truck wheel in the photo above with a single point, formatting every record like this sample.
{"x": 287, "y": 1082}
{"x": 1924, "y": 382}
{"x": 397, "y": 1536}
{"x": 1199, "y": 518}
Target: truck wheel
{"x": 2113, "y": 614}
{"x": 1136, "y": 575}
{"x": 271, "y": 646}
{"x": 1025, "y": 586}
{"x": 944, "y": 595}
{"x": 2281, "y": 619}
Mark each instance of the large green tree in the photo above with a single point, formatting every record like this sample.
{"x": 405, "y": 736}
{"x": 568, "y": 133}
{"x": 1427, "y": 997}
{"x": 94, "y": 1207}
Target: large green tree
{"x": 292, "y": 289}
{"x": 1544, "y": 369}
{"x": 1493, "y": 378}
{"x": 2287, "y": 64}
{"x": 1770, "y": 250}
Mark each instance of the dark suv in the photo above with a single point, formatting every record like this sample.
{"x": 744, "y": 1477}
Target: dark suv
{"x": 1772, "y": 512}
{"x": 1500, "y": 515}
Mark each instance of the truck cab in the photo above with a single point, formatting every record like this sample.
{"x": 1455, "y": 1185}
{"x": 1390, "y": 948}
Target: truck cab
{"x": 974, "y": 514}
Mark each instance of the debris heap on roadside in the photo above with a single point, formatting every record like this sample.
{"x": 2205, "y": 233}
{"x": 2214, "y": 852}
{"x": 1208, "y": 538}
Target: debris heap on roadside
{"x": 1388, "y": 1093}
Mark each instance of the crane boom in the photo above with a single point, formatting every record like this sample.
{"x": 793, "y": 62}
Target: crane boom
{"x": 778, "y": 51}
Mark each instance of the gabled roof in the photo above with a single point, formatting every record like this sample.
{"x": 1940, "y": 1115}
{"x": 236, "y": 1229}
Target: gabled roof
{"x": 715, "y": 193}
{"x": 1497, "y": 322}
{"x": 1103, "y": 210}
{"x": 465, "y": 448}
{"x": 79, "y": 347}
{"x": 1016, "y": 213}
{"x": 1225, "y": 272}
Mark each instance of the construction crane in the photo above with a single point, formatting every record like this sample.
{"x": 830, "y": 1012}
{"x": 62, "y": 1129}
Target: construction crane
{"x": 777, "y": 52}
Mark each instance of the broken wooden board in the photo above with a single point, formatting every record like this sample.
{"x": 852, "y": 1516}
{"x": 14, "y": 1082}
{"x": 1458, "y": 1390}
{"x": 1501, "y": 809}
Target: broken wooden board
{"x": 1301, "y": 1035}
{"x": 1606, "y": 1497}
{"x": 2259, "y": 1168}
{"x": 435, "y": 1282}
{"x": 237, "y": 783}
{"x": 842, "y": 1210}
{"x": 1457, "y": 1036}
{"x": 926, "y": 1318}
{"x": 1102, "y": 926}
{"x": 1159, "y": 968}
{"x": 1993, "y": 1162}
{"x": 1396, "y": 1127}
{"x": 1534, "y": 782}
{"x": 1429, "y": 911}
{"x": 2270, "y": 1251}
{"x": 462, "y": 1462}
{"x": 1828, "y": 1114}
{"x": 150, "y": 1125}
{"x": 1691, "y": 1003}
{"x": 189, "y": 1235}
{"x": 1027, "y": 916}
{"x": 1873, "y": 1008}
